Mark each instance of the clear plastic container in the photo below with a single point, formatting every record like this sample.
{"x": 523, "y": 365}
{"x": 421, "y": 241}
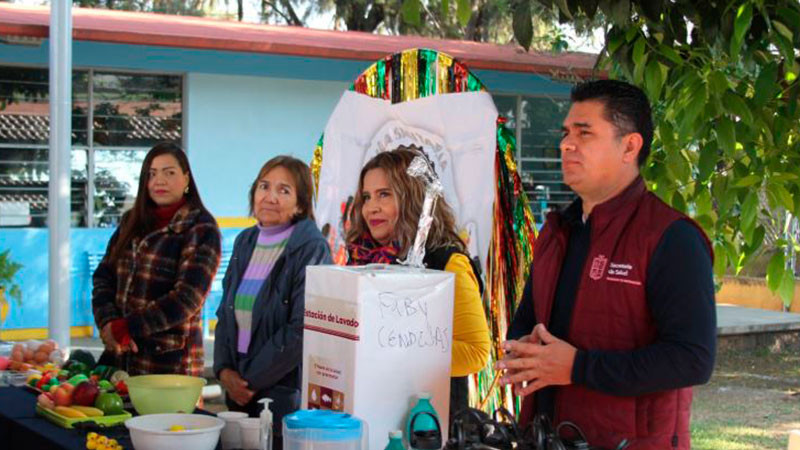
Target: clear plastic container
{"x": 323, "y": 430}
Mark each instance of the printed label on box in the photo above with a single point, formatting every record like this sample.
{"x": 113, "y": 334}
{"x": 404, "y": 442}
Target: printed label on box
{"x": 334, "y": 317}
{"x": 326, "y": 383}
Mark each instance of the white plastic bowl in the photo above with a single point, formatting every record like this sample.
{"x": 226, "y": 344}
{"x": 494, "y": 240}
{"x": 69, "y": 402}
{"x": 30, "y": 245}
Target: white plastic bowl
{"x": 151, "y": 432}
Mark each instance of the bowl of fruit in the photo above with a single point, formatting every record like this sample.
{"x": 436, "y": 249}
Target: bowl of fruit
{"x": 160, "y": 431}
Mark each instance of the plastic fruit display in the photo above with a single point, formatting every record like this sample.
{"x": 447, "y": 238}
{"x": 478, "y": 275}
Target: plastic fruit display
{"x": 109, "y": 402}
{"x": 61, "y": 396}
{"x": 24, "y": 356}
{"x": 85, "y": 394}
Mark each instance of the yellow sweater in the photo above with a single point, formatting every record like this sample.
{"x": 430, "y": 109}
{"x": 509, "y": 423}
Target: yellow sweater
{"x": 471, "y": 342}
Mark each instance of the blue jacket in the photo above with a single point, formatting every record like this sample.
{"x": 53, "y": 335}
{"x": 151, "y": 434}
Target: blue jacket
{"x": 272, "y": 366}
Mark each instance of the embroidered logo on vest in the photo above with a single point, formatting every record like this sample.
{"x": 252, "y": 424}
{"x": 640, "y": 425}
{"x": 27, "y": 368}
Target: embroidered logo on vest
{"x": 598, "y": 267}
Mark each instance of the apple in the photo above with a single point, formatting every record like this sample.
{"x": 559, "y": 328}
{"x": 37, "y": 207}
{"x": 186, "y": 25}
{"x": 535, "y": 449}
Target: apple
{"x": 85, "y": 394}
{"x": 69, "y": 387}
{"x": 61, "y": 396}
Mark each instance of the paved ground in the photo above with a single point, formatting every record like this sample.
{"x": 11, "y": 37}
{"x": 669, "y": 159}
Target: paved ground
{"x": 732, "y": 320}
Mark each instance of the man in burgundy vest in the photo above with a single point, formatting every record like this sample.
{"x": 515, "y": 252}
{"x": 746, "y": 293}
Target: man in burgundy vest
{"x": 618, "y": 318}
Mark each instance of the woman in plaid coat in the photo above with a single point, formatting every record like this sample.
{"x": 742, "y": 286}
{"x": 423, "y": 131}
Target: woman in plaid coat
{"x": 150, "y": 286}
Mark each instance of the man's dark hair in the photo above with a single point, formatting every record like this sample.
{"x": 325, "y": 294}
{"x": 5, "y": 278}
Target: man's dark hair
{"x": 625, "y": 105}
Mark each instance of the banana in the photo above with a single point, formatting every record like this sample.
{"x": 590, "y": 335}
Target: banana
{"x": 88, "y": 410}
{"x": 70, "y": 412}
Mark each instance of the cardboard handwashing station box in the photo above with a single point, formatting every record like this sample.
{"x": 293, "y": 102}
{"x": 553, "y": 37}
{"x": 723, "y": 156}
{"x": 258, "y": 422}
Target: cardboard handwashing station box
{"x": 375, "y": 337}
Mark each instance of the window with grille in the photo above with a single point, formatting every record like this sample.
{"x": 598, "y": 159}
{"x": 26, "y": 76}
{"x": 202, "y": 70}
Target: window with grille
{"x": 116, "y": 118}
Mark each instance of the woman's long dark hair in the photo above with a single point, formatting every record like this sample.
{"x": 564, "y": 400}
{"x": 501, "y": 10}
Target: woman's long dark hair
{"x": 140, "y": 220}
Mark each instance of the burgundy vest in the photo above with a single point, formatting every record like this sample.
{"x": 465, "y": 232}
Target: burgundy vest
{"x": 611, "y": 313}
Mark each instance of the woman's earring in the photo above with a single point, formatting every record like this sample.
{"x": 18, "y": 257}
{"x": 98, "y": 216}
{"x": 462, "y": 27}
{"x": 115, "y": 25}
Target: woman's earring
{"x": 186, "y": 190}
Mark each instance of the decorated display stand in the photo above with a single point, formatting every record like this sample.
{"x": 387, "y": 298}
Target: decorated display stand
{"x": 428, "y": 99}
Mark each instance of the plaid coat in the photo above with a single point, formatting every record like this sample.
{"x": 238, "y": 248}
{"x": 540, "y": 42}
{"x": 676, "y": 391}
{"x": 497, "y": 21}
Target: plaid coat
{"x": 159, "y": 286}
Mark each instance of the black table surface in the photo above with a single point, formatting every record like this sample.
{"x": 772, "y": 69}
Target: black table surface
{"x": 21, "y": 428}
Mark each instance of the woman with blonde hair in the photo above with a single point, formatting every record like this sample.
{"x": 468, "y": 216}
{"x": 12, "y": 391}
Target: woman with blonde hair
{"x": 384, "y": 221}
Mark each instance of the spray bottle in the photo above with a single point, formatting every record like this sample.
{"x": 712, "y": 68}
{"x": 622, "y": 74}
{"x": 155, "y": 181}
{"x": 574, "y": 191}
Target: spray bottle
{"x": 266, "y": 424}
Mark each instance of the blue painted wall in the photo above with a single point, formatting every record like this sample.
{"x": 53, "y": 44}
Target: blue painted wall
{"x": 29, "y": 248}
{"x": 237, "y": 123}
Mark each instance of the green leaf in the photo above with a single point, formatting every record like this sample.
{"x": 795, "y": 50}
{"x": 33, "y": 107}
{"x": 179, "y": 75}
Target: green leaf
{"x": 758, "y": 237}
{"x": 653, "y": 79}
{"x": 775, "y": 270}
{"x": 786, "y": 290}
{"x": 702, "y": 202}
{"x": 783, "y": 30}
{"x": 522, "y": 23}
{"x": 720, "y": 260}
{"x": 445, "y": 7}
{"x": 463, "y": 11}
{"x": 766, "y": 84}
{"x": 726, "y": 134}
{"x": 744, "y": 17}
{"x": 790, "y": 16}
{"x": 614, "y": 41}
{"x": 638, "y": 50}
{"x": 785, "y": 46}
{"x": 749, "y": 209}
{"x": 564, "y": 8}
{"x": 738, "y": 106}
{"x": 748, "y": 180}
{"x": 718, "y": 83}
{"x": 678, "y": 166}
{"x": 678, "y": 202}
{"x": 410, "y": 11}
{"x": 707, "y": 163}
{"x": 782, "y": 195}
{"x": 670, "y": 54}
{"x": 688, "y": 114}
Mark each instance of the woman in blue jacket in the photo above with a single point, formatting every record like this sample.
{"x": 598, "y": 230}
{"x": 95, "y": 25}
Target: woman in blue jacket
{"x": 259, "y": 336}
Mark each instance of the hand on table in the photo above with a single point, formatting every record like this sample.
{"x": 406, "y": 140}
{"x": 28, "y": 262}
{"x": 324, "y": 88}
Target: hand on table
{"x": 235, "y": 386}
{"x": 540, "y": 359}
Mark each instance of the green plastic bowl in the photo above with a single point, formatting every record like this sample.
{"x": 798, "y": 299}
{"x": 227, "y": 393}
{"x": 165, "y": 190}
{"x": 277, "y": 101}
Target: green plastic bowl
{"x": 162, "y": 394}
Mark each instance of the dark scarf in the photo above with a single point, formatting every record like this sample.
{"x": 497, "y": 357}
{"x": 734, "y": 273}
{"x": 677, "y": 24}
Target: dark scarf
{"x": 163, "y": 214}
{"x": 366, "y": 250}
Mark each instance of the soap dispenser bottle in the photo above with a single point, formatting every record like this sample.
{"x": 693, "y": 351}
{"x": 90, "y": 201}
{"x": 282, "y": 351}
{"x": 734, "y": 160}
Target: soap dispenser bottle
{"x": 266, "y": 424}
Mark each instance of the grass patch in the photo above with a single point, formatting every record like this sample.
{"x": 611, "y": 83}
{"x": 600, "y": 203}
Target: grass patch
{"x": 751, "y": 402}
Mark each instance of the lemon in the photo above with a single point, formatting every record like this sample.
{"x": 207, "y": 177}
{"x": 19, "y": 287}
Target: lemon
{"x": 177, "y": 428}
{"x": 91, "y": 436}
{"x": 91, "y": 444}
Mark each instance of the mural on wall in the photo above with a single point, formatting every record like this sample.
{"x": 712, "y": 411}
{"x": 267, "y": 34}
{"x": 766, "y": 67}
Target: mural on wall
{"x": 8, "y": 284}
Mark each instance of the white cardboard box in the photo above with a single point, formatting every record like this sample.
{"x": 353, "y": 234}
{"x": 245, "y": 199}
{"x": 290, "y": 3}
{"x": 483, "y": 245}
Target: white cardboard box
{"x": 376, "y": 336}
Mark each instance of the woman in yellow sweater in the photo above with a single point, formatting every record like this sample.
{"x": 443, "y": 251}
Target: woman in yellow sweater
{"x": 384, "y": 222}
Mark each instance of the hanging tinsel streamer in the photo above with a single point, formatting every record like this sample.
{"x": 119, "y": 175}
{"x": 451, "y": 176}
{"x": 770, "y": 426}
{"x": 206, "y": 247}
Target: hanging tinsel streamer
{"x": 410, "y": 75}
{"x": 421, "y": 73}
{"x": 444, "y": 62}
{"x": 380, "y": 68}
{"x": 316, "y": 164}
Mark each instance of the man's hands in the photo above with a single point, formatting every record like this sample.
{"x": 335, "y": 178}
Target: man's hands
{"x": 112, "y": 345}
{"x": 540, "y": 359}
{"x": 235, "y": 386}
